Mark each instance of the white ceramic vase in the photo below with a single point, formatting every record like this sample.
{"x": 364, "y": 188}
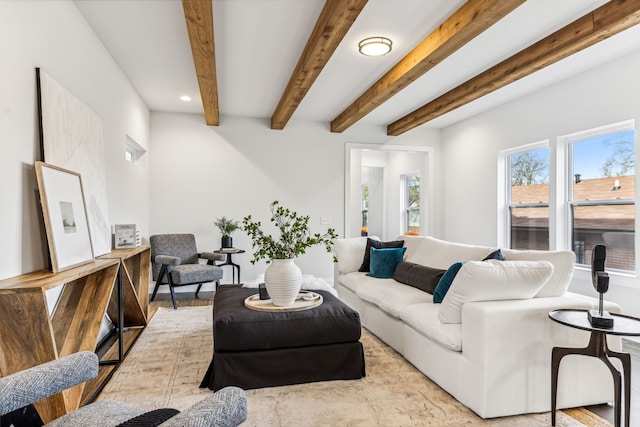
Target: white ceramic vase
{"x": 283, "y": 279}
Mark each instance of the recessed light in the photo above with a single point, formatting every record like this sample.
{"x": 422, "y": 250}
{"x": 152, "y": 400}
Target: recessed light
{"x": 185, "y": 98}
{"x": 375, "y": 46}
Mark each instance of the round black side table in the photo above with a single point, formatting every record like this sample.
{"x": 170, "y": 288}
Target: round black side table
{"x": 228, "y": 261}
{"x": 597, "y": 347}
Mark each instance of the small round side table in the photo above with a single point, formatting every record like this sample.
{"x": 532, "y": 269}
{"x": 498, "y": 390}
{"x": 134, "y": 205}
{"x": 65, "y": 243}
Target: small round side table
{"x": 597, "y": 347}
{"x": 228, "y": 261}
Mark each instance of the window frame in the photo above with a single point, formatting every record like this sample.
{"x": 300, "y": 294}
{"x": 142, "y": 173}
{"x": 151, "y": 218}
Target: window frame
{"x": 406, "y": 209}
{"x": 507, "y": 203}
{"x": 561, "y": 176}
{"x": 565, "y": 143}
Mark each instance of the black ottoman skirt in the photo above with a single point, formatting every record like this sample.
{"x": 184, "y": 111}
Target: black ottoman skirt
{"x": 254, "y": 349}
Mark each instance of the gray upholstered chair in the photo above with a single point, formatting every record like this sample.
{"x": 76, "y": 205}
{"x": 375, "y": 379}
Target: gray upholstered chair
{"x": 225, "y": 408}
{"x": 175, "y": 261}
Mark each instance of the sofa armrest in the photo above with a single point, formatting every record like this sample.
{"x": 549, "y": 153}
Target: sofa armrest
{"x": 28, "y": 386}
{"x": 225, "y": 408}
{"x": 492, "y": 327}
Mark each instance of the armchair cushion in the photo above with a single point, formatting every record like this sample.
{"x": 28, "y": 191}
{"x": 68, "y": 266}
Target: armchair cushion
{"x": 104, "y": 413}
{"x": 194, "y": 273}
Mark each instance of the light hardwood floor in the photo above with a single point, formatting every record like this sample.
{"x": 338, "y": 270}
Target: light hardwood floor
{"x": 605, "y": 411}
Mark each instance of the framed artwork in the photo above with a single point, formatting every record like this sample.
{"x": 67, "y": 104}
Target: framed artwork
{"x": 72, "y": 138}
{"x": 125, "y": 236}
{"x": 65, "y": 216}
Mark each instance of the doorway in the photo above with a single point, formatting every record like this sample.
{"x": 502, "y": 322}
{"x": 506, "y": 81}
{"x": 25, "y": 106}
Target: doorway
{"x": 375, "y": 189}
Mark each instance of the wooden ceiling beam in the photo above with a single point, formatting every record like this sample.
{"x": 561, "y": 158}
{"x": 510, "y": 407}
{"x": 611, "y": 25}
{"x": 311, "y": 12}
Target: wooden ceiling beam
{"x": 336, "y": 18}
{"x": 600, "y": 24}
{"x": 199, "y": 17}
{"x": 474, "y": 17}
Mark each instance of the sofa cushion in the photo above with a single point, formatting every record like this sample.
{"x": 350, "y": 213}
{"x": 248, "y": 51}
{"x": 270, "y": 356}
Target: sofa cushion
{"x": 384, "y": 261}
{"x": 441, "y": 254}
{"x": 445, "y": 282}
{"x": 354, "y": 280}
{"x": 563, "y": 266}
{"x": 390, "y": 296}
{"x": 418, "y": 276}
{"x": 492, "y": 281}
{"x": 423, "y": 318}
{"x": 377, "y": 244}
{"x": 350, "y": 252}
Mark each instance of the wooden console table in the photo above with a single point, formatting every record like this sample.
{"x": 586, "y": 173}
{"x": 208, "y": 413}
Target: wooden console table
{"x": 128, "y": 313}
{"x": 33, "y": 334}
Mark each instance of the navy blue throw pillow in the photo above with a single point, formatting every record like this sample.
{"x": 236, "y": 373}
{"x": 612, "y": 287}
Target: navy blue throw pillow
{"x": 497, "y": 255}
{"x": 445, "y": 282}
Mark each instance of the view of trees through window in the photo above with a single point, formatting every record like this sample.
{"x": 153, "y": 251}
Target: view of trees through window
{"x": 601, "y": 178}
{"x": 413, "y": 203}
{"x": 602, "y": 197}
{"x": 529, "y": 207}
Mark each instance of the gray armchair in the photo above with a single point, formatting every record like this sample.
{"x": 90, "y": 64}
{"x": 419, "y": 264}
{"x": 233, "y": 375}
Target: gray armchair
{"x": 175, "y": 261}
{"x": 225, "y": 408}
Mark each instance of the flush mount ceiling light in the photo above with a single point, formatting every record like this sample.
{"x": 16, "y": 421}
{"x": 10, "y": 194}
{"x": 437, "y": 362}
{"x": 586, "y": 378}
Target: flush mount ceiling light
{"x": 375, "y": 46}
{"x": 185, "y": 98}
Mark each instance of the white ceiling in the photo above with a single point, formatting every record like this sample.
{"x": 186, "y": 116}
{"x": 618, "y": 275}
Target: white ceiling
{"x": 258, "y": 43}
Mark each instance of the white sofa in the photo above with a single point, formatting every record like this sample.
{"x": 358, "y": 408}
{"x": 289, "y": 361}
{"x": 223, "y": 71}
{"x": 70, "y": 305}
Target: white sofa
{"x": 497, "y": 360}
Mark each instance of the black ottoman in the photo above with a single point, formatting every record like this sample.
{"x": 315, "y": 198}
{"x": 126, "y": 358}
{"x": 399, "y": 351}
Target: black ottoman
{"x": 254, "y": 349}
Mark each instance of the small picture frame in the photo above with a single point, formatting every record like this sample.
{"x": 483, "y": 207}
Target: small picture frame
{"x": 65, "y": 216}
{"x": 124, "y": 236}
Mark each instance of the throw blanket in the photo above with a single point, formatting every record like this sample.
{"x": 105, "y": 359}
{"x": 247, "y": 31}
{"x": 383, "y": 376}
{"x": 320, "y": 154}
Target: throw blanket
{"x": 309, "y": 282}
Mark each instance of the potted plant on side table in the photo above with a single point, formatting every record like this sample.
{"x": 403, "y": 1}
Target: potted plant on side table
{"x": 283, "y": 277}
{"x": 226, "y": 228}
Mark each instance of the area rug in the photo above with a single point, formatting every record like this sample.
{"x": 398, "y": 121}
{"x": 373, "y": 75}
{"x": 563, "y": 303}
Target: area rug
{"x": 166, "y": 365}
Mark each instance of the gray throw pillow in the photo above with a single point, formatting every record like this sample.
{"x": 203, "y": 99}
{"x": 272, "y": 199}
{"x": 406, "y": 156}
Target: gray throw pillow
{"x": 418, "y": 276}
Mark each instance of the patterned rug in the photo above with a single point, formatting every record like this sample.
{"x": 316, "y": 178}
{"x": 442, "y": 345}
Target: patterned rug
{"x": 165, "y": 367}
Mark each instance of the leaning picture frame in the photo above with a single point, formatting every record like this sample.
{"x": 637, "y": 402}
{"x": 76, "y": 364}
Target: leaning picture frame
{"x": 65, "y": 216}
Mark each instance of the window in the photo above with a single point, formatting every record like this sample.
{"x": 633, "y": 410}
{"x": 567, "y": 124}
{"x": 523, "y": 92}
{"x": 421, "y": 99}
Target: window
{"x": 601, "y": 194}
{"x": 412, "y": 203}
{"x": 364, "y": 198}
{"x": 572, "y": 194}
{"x": 132, "y": 150}
{"x": 528, "y": 200}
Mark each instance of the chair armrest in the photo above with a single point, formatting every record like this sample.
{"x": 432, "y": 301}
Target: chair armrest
{"x": 225, "y": 408}
{"x": 28, "y": 386}
{"x": 211, "y": 256}
{"x": 166, "y": 259}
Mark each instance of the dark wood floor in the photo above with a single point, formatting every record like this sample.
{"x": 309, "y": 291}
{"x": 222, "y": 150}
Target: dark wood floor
{"x": 607, "y": 411}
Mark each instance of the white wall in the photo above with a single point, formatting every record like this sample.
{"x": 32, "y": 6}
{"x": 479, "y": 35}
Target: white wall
{"x": 54, "y": 36}
{"x": 600, "y": 96}
{"x": 201, "y": 173}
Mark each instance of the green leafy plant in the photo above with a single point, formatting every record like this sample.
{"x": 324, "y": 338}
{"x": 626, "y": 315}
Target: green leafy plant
{"x": 295, "y": 236}
{"x": 226, "y": 226}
